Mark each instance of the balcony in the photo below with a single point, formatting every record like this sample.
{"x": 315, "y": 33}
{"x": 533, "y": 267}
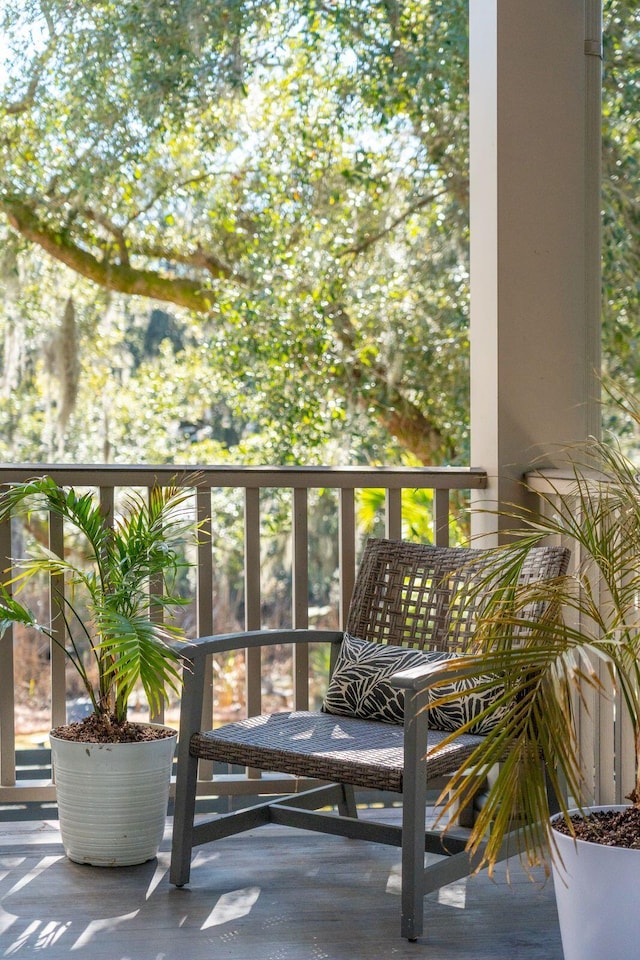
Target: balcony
{"x": 534, "y": 329}
{"x": 232, "y": 904}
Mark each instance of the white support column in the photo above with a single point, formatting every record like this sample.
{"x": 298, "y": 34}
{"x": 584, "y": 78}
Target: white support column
{"x": 535, "y": 255}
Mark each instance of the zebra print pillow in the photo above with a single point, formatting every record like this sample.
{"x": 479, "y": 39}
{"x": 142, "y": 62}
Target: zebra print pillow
{"x": 359, "y": 687}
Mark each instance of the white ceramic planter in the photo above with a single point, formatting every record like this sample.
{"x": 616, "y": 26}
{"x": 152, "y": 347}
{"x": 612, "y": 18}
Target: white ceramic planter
{"x": 598, "y": 900}
{"x": 112, "y": 798}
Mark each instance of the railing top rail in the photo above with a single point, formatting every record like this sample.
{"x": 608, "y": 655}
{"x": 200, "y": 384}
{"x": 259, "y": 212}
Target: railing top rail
{"x": 561, "y": 480}
{"x": 225, "y": 475}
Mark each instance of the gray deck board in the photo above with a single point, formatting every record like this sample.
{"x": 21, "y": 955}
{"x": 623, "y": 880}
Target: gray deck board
{"x": 273, "y": 894}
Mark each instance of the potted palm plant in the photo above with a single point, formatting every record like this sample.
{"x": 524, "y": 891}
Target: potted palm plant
{"x": 112, "y": 776}
{"x": 586, "y": 643}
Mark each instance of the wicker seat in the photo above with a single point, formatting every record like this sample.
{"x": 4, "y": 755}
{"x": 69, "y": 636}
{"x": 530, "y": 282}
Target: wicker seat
{"x": 406, "y": 595}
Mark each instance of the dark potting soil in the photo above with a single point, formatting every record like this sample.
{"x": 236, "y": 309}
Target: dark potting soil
{"x": 611, "y": 828}
{"x": 94, "y": 729}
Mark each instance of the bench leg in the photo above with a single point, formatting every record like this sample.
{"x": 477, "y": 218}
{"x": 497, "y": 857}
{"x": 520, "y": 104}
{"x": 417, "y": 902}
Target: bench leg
{"x": 347, "y": 805}
{"x": 414, "y": 804}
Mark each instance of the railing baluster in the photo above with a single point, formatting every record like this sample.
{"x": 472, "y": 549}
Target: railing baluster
{"x": 441, "y": 518}
{"x": 204, "y": 608}
{"x": 7, "y": 688}
{"x": 204, "y": 588}
{"x": 252, "y": 602}
{"x": 107, "y": 503}
{"x": 156, "y": 614}
{"x": 393, "y": 514}
{"x": 300, "y": 595}
{"x": 347, "y": 550}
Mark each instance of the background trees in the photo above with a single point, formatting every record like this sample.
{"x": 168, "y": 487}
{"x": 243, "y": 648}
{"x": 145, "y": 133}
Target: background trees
{"x": 621, "y": 193}
{"x": 240, "y": 230}
{"x": 287, "y": 181}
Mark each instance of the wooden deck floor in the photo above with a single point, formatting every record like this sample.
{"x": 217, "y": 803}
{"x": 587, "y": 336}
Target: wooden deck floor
{"x": 275, "y": 894}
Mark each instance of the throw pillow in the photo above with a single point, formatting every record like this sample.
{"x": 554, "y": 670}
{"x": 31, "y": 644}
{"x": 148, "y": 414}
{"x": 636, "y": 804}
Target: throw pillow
{"x": 359, "y": 687}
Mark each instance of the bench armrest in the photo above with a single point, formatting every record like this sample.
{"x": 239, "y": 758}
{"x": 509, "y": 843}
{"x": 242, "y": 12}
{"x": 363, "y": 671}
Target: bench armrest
{"x": 196, "y": 650}
{"x": 424, "y": 677}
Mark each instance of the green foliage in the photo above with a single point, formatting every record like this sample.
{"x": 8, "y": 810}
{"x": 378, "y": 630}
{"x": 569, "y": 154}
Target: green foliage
{"x": 294, "y": 174}
{"x": 289, "y": 178}
{"x": 621, "y": 175}
{"x": 417, "y": 516}
{"x": 129, "y": 587}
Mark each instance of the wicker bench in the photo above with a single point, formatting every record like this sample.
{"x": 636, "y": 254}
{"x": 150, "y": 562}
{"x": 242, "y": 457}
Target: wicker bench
{"x": 408, "y": 598}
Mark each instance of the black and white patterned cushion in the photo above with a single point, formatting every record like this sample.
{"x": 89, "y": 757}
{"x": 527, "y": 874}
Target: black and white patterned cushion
{"x": 359, "y": 687}
{"x": 472, "y": 697}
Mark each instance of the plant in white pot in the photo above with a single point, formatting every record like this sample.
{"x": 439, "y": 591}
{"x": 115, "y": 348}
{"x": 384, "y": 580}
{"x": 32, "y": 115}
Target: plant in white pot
{"x": 112, "y": 776}
{"x": 585, "y": 645}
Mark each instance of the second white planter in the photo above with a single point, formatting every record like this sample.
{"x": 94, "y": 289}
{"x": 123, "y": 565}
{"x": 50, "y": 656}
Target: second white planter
{"x": 597, "y": 897}
{"x": 112, "y": 798}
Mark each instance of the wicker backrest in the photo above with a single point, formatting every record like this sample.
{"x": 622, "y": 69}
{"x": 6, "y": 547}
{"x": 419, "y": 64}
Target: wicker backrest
{"x": 411, "y": 594}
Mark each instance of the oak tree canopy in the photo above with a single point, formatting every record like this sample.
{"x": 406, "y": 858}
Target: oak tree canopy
{"x": 281, "y": 186}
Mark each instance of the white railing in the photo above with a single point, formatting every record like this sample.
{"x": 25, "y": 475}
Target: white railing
{"x": 253, "y": 492}
{"x": 604, "y": 730}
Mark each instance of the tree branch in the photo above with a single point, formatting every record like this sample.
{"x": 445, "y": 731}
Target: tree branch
{"x": 397, "y": 413}
{"x": 197, "y": 258}
{"x": 119, "y": 277}
{"x": 113, "y": 229}
{"x": 38, "y": 64}
{"x": 374, "y": 237}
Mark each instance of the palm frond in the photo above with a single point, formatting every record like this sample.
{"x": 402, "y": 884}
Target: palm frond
{"x": 11, "y": 611}
{"x": 556, "y": 644}
{"x": 137, "y": 650}
{"x": 129, "y": 568}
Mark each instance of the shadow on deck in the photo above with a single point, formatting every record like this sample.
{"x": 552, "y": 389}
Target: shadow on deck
{"x": 274, "y": 894}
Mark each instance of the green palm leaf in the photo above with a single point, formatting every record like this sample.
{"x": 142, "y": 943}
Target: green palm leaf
{"x": 129, "y": 568}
